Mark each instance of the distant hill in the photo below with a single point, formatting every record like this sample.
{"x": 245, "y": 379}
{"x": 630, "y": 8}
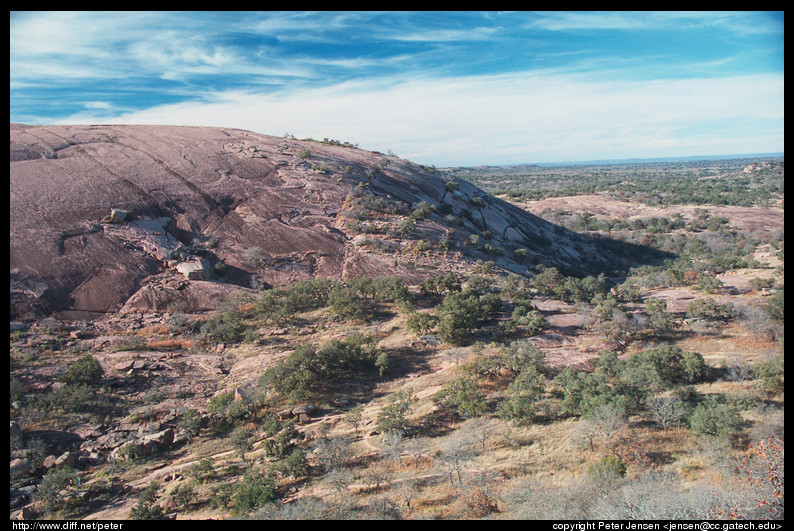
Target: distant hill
{"x": 540, "y": 166}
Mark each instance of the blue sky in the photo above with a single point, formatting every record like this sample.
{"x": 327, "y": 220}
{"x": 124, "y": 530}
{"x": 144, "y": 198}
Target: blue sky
{"x": 442, "y": 88}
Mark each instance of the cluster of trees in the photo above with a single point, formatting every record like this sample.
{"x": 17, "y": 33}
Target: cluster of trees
{"x": 585, "y": 221}
{"x": 352, "y": 300}
{"x": 655, "y": 383}
{"x": 550, "y": 281}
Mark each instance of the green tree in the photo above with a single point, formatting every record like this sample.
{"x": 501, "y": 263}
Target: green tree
{"x": 451, "y": 186}
{"x": 770, "y": 374}
{"x": 345, "y": 303}
{"x": 714, "y": 418}
{"x": 422, "y": 210}
{"x": 146, "y": 508}
{"x": 226, "y": 325}
{"x": 242, "y": 441}
{"x": 522, "y": 396}
{"x": 663, "y": 368}
{"x": 661, "y": 320}
{"x": 693, "y": 367}
{"x": 310, "y": 370}
{"x": 183, "y": 495}
{"x": 461, "y": 312}
{"x": 584, "y": 392}
{"x": 406, "y": 228}
{"x": 191, "y": 424}
{"x": 464, "y": 395}
{"x": 531, "y": 322}
{"x": 421, "y": 323}
{"x": 256, "y": 490}
{"x": 382, "y": 363}
{"x": 547, "y": 280}
{"x": 393, "y": 415}
{"x": 441, "y": 284}
{"x": 294, "y": 465}
{"x": 283, "y": 442}
{"x": 355, "y": 416}
{"x": 708, "y": 283}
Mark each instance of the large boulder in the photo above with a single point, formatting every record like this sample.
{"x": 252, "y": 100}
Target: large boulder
{"x": 307, "y": 409}
{"x": 118, "y": 215}
{"x": 20, "y": 467}
{"x": 161, "y": 438}
{"x": 15, "y": 433}
{"x": 196, "y": 268}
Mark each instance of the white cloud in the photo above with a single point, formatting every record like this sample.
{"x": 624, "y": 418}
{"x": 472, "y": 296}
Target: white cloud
{"x": 506, "y": 118}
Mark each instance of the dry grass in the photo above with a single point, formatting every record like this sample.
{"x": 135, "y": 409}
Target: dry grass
{"x": 170, "y": 344}
{"x": 544, "y": 450}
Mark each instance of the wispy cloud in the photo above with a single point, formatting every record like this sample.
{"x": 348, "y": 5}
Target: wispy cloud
{"x": 442, "y": 88}
{"x": 734, "y": 22}
{"x": 452, "y": 35}
{"x": 502, "y": 119}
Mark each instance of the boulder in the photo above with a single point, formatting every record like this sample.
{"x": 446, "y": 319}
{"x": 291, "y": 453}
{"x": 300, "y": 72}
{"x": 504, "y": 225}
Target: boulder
{"x": 15, "y": 432}
{"x": 195, "y": 269}
{"x": 66, "y": 459}
{"x": 118, "y": 215}
{"x": 123, "y": 366}
{"x": 164, "y": 437}
{"x": 128, "y": 448}
{"x": 22, "y": 495}
{"x": 20, "y": 467}
{"x": 308, "y": 409}
{"x": 27, "y": 513}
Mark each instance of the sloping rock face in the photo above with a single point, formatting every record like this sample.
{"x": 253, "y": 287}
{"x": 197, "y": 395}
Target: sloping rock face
{"x": 227, "y": 195}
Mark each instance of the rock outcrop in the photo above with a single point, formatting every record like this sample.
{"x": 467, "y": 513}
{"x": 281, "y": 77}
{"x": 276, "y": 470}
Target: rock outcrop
{"x": 99, "y": 213}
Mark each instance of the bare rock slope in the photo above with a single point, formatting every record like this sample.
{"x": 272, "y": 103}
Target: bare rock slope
{"x": 110, "y": 217}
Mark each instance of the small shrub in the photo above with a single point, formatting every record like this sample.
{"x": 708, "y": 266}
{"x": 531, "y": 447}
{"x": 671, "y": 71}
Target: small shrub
{"x": 608, "y": 469}
{"x": 85, "y": 371}
{"x": 51, "y": 489}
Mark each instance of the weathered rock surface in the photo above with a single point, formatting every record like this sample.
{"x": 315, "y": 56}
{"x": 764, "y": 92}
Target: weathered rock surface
{"x": 96, "y": 210}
